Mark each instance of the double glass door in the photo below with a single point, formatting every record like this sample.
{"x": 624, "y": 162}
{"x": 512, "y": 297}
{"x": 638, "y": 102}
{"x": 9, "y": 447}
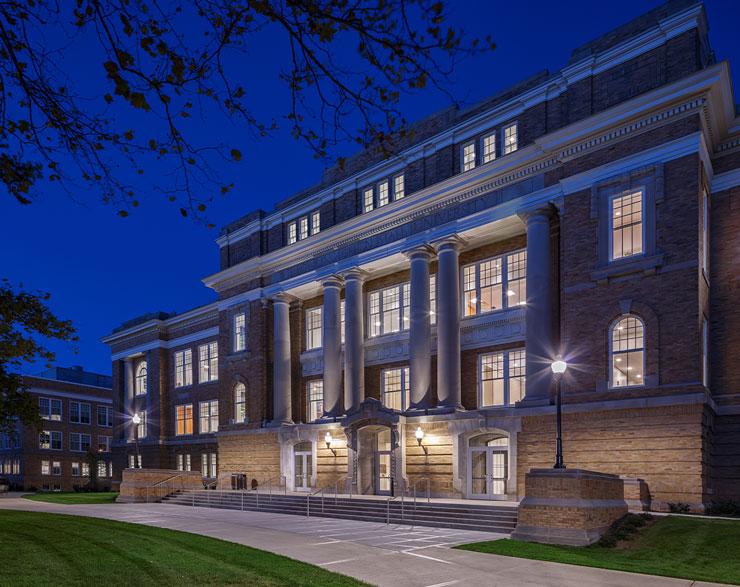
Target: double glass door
{"x": 489, "y": 466}
{"x": 303, "y": 464}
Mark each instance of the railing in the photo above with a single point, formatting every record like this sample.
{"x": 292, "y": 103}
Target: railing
{"x": 413, "y": 487}
{"x": 269, "y": 483}
{"x": 170, "y": 481}
{"x": 322, "y": 491}
{"x": 388, "y": 507}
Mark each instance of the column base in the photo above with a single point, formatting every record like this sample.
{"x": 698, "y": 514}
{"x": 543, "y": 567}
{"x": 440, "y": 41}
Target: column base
{"x": 279, "y": 423}
{"x": 443, "y": 409}
{"x": 533, "y": 402}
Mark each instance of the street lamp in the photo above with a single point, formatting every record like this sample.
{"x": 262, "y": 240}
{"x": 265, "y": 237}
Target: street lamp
{"x": 137, "y": 420}
{"x": 558, "y": 368}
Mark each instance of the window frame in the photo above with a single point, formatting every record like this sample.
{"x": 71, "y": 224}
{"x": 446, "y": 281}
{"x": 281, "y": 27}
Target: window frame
{"x": 314, "y": 332}
{"x": 141, "y": 380}
{"x": 506, "y": 376}
{"x": 396, "y": 191}
{"x": 311, "y": 385}
{"x": 505, "y": 150}
{"x": 187, "y": 373}
{"x": 368, "y": 204}
{"x": 315, "y": 223}
{"x": 50, "y": 413}
{"x": 107, "y": 440}
{"x": 184, "y": 419}
{"x": 292, "y": 232}
{"x": 243, "y": 403}
{"x": 107, "y": 416}
{"x": 209, "y": 363}
{"x": 485, "y": 158}
{"x": 210, "y": 419}
{"x": 504, "y": 284}
{"x": 79, "y": 413}
{"x": 387, "y": 189}
{"x": 643, "y": 348}
{"x": 404, "y": 293}
{"x": 611, "y": 228}
{"x": 467, "y": 166}
{"x": 404, "y": 391}
{"x": 240, "y": 332}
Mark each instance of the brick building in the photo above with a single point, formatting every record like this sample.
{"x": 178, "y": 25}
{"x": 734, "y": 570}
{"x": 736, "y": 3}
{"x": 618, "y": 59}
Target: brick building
{"x": 397, "y": 320}
{"x": 77, "y": 411}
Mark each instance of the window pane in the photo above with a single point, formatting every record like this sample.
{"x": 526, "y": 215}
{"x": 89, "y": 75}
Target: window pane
{"x": 292, "y": 233}
{"x": 468, "y": 161}
{"x": 489, "y": 148}
{"x": 399, "y": 188}
{"x": 367, "y": 199}
{"x": 383, "y": 193}
{"x": 628, "y": 342}
{"x": 315, "y": 222}
{"x": 510, "y": 139}
{"x": 626, "y": 217}
{"x": 492, "y": 379}
{"x": 313, "y": 327}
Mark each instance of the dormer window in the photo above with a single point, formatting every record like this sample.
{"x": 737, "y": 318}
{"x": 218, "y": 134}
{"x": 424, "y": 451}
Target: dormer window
{"x": 380, "y": 195}
{"x": 304, "y": 227}
{"x": 489, "y": 147}
{"x": 468, "y": 157}
{"x": 510, "y": 138}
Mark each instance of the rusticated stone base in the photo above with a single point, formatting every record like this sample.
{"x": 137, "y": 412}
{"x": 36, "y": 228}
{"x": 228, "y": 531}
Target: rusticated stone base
{"x": 144, "y": 485}
{"x": 569, "y": 506}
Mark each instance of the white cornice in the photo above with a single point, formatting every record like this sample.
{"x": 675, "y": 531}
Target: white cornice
{"x": 725, "y": 181}
{"x": 165, "y": 344}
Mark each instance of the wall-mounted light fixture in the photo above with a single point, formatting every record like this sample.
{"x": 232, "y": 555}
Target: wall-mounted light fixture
{"x": 327, "y": 440}
{"x": 420, "y": 437}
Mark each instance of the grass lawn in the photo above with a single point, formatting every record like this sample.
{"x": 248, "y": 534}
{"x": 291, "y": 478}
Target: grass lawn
{"x": 54, "y": 549}
{"x": 72, "y": 497}
{"x": 699, "y": 549}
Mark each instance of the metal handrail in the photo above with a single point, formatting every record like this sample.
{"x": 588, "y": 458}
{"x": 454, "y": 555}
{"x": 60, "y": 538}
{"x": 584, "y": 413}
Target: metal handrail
{"x": 322, "y": 491}
{"x": 159, "y": 484}
{"x": 413, "y": 486}
{"x": 269, "y": 485}
{"x": 388, "y": 507}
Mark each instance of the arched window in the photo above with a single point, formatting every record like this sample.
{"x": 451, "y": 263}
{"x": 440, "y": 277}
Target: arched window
{"x": 628, "y": 352}
{"x": 141, "y": 379}
{"x": 240, "y": 403}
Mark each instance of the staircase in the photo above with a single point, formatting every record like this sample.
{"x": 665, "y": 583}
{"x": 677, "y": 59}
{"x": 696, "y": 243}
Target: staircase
{"x": 487, "y": 518}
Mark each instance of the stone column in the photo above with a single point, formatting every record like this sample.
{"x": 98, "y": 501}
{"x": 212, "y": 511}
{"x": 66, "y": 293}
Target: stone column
{"x": 354, "y": 337}
{"x": 420, "y": 330}
{"x": 448, "y": 324}
{"x": 128, "y": 402}
{"x": 282, "y": 413}
{"x": 332, "y": 342}
{"x": 539, "y": 341}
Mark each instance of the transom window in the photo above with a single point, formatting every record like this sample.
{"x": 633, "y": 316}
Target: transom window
{"x": 208, "y": 416}
{"x": 489, "y": 148}
{"x": 628, "y": 352}
{"x": 79, "y": 413}
{"x": 395, "y": 386}
{"x": 184, "y": 419}
{"x": 468, "y": 157}
{"x": 183, "y": 368}
{"x": 208, "y": 359}
{"x": 315, "y": 399}
{"x": 510, "y": 138}
{"x": 626, "y": 219}
{"x": 50, "y": 409}
{"x": 240, "y": 403}
{"x": 240, "y": 332}
{"x": 141, "y": 381}
{"x": 502, "y": 378}
{"x": 313, "y": 328}
{"x": 380, "y": 195}
{"x": 485, "y": 283}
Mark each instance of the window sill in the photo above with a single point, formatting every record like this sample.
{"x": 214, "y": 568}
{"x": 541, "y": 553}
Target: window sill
{"x": 630, "y": 265}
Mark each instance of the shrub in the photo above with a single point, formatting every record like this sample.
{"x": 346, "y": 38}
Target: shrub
{"x": 729, "y": 508}
{"x": 678, "y": 508}
{"x": 624, "y": 529}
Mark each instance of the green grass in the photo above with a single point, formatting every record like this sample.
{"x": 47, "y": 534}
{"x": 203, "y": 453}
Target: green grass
{"x": 698, "y": 549}
{"x": 74, "y": 498}
{"x": 54, "y": 549}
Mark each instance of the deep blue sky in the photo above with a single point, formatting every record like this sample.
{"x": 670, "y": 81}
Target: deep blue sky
{"x": 102, "y": 269}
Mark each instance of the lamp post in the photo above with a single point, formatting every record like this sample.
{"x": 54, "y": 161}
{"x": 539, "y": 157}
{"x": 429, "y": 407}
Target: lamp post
{"x": 137, "y": 420}
{"x": 558, "y": 368}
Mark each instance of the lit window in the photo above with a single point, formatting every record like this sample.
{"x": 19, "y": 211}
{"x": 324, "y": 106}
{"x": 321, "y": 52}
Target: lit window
{"x": 183, "y": 368}
{"x": 208, "y": 360}
{"x": 367, "y": 200}
{"x": 383, "y": 193}
{"x": 142, "y": 424}
{"x": 313, "y": 328}
{"x": 44, "y": 440}
{"x": 45, "y": 468}
{"x": 184, "y": 419}
{"x": 105, "y": 416}
{"x": 102, "y": 469}
{"x": 399, "y": 188}
{"x": 628, "y": 352}
{"x": 389, "y": 310}
{"x": 395, "y": 385}
{"x": 208, "y": 416}
{"x": 489, "y": 148}
{"x": 204, "y": 464}
{"x": 468, "y": 157}
{"x": 79, "y": 413}
{"x": 214, "y": 468}
{"x": 510, "y": 139}
{"x": 502, "y": 378}
{"x": 433, "y": 298}
{"x": 180, "y": 462}
{"x": 56, "y": 468}
{"x": 240, "y": 332}
{"x": 304, "y": 228}
{"x": 240, "y": 403}
{"x": 50, "y": 409}
{"x": 141, "y": 381}
{"x": 75, "y": 469}
{"x": 626, "y": 225}
{"x": 131, "y": 464}
{"x": 104, "y": 443}
{"x": 484, "y": 284}
{"x": 342, "y": 318}
{"x": 315, "y": 222}
{"x": 292, "y": 233}
{"x": 315, "y": 399}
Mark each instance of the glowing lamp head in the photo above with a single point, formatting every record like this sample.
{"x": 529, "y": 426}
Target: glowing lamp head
{"x": 419, "y": 435}
{"x": 136, "y": 419}
{"x": 328, "y": 439}
{"x": 559, "y": 366}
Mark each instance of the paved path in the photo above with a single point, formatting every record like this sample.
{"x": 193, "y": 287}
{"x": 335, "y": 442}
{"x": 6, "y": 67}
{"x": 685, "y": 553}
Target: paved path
{"x": 405, "y": 556}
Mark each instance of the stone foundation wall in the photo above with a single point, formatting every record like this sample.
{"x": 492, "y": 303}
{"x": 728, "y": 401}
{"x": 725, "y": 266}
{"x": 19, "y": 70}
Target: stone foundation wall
{"x": 137, "y": 484}
{"x": 256, "y": 455}
{"x": 436, "y": 463}
{"x": 330, "y": 467}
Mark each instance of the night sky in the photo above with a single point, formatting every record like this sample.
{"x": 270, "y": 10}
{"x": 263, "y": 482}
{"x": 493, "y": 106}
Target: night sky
{"x": 102, "y": 269}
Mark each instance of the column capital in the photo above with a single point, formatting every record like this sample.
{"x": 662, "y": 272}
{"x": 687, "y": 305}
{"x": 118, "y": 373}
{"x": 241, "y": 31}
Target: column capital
{"x": 452, "y": 241}
{"x": 423, "y": 251}
{"x": 332, "y": 280}
{"x": 283, "y": 298}
{"x": 355, "y": 274}
{"x": 537, "y": 213}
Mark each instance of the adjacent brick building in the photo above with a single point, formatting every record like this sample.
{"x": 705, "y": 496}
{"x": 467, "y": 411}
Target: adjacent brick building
{"x": 396, "y": 321}
{"x": 77, "y": 411}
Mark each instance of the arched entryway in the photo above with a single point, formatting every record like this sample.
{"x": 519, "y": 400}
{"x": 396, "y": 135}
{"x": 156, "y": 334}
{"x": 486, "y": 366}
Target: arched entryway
{"x": 375, "y": 460}
{"x": 488, "y": 466}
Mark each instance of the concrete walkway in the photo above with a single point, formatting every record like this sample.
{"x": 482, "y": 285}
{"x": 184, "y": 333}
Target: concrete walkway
{"x": 405, "y": 556}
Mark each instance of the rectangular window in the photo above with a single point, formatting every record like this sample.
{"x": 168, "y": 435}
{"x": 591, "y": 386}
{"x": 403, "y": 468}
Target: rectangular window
{"x": 433, "y": 298}
{"x": 208, "y": 359}
{"x": 79, "y": 413}
{"x": 105, "y": 416}
{"x": 489, "y": 148}
{"x": 86, "y": 468}
{"x": 180, "y": 462}
{"x": 50, "y": 409}
{"x": 184, "y": 419}
{"x": 399, "y": 187}
{"x": 395, "y": 386}
{"x": 240, "y": 332}
{"x": 79, "y": 442}
{"x": 389, "y": 309}
{"x": 468, "y": 157}
{"x": 313, "y": 328}
{"x": 502, "y": 378}
{"x": 214, "y": 468}
{"x": 102, "y": 468}
{"x": 75, "y": 469}
{"x": 626, "y": 225}
{"x": 510, "y": 139}
{"x": 367, "y": 200}
{"x": 56, "y": 468}
{"x": 315, "y": 222}
{"x": 104, "y": 443}
{"x": 45, "y": 467}
{"x": 183, "y": 368}
{"x": 292, "y": 233}
{"x": 204, "y": 464}
{"x": 187, "y": 462}
{"x": 384, "y": 195}
{"x": 208, "y": 416}
{"x": 303, "y": 228}
{"x": 315, "y": 399}
{"x": 342, "y": 318}
{"x": 485, "y": 282}
{"x": 56, "y": 440}
{"x": 131, "y": 464}
{"x": 45, "y": 439}
{"x": 705, "y": 352}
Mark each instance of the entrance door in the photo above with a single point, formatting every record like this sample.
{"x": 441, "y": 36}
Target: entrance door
{"x": 303, "y": 466}
{"x": 489, "y": 466}
{"x": 383, "y": 463}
